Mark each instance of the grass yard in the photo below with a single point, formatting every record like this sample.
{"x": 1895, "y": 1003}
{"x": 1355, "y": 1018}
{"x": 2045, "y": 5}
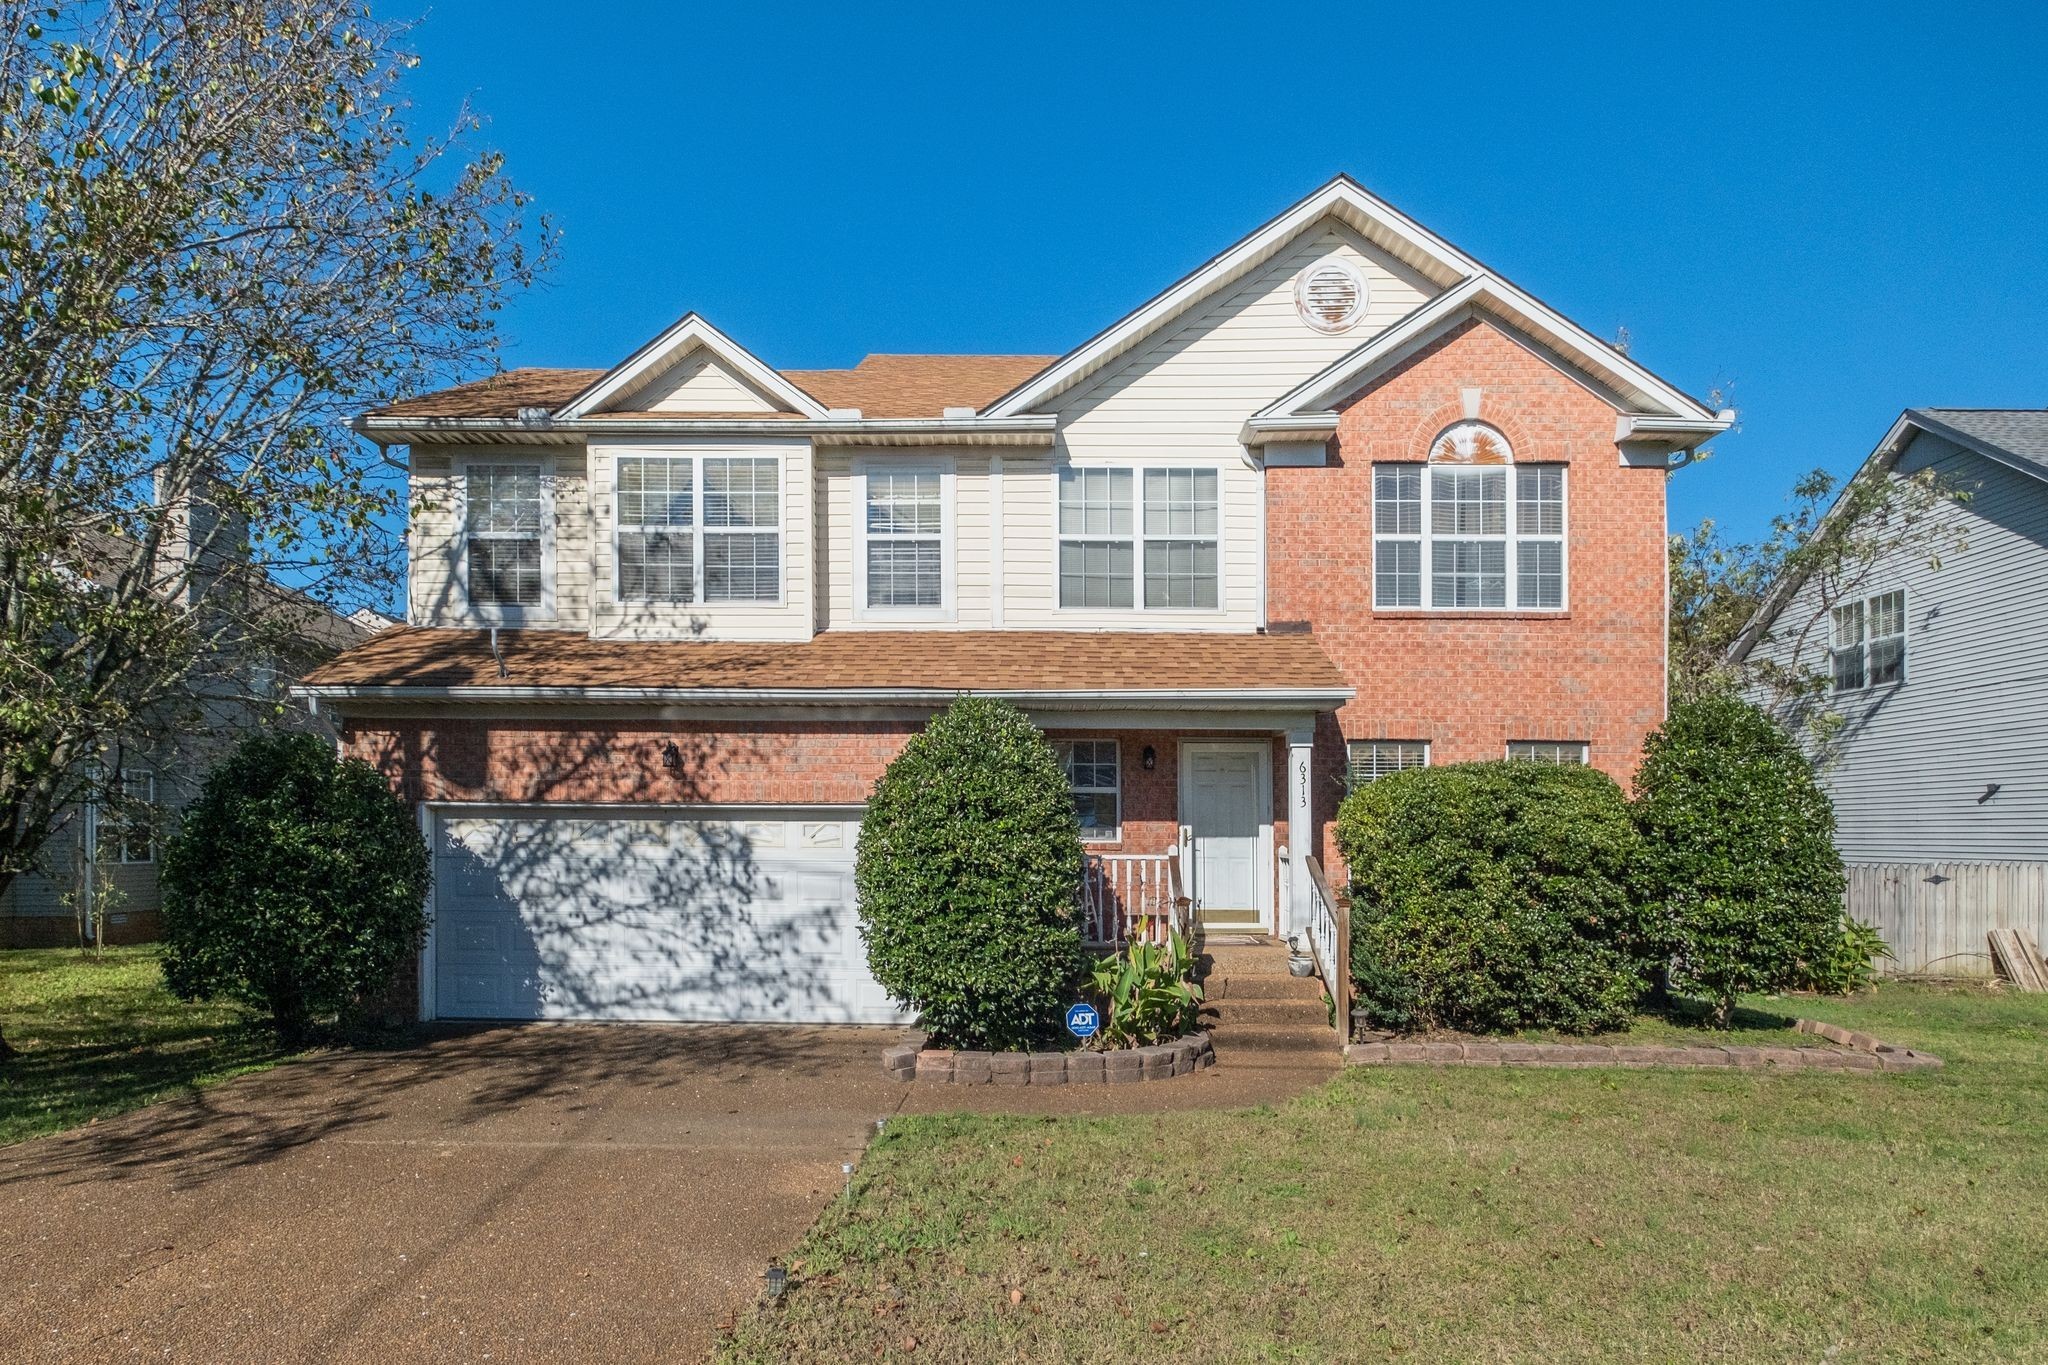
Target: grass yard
{"x": 1473, "y": 1214}
{"x": 99, "y": 1034}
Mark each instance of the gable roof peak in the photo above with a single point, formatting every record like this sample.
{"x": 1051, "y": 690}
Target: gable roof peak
{"x": 692, "y": 331}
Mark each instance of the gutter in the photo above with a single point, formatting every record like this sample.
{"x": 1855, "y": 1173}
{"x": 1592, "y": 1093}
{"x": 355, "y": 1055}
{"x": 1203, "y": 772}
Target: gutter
{"x": 1022, "y": 431}
{"x": 1241, "y": 698}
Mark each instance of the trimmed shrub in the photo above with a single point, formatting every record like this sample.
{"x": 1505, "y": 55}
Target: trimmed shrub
{"x": 1739, "y": 861}
{"x": 296, "y": 883}
{"x": 1493, "y": 897}
{"x": 968, "y": 869}
{"x": 1849, "y": 963}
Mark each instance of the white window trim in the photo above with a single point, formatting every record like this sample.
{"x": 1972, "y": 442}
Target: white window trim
{"x": 147, "y": 775}
{"x": 1137, "y": 468}
{"x": 1514, "y": 537}
{"x": 948, "y": 608}
{"x": 501, "y": 613}
{"x": 1585, "y": 751}
{"x": 1863, "y": 646}
{"x": 1116, "y": 747}
{"x": 1428, "y": 754}
{"x": 698, "y": 605}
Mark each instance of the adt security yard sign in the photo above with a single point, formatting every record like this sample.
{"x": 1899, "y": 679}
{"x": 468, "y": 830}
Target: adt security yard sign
{"x": 1083, "y": 1021}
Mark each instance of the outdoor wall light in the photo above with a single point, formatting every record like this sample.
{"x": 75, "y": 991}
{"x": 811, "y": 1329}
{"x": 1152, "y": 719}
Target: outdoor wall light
{"x": 671, "y": 756}
{"x": 1150, "y": 758}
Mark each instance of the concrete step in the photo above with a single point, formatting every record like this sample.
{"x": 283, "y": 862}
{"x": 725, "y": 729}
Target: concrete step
{"x": 1263, "y": 986}
{"x": 1244, "y": 1010}
{"x": 1230, "y": 960}
{"x": 1277, "y": 1038}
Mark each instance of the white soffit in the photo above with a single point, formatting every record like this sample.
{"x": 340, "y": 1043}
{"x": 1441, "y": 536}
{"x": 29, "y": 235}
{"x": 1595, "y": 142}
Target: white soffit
{"x": 689, "y": 332}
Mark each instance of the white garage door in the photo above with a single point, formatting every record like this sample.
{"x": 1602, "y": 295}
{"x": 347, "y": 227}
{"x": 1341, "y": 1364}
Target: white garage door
{"x": 748, "y": 916}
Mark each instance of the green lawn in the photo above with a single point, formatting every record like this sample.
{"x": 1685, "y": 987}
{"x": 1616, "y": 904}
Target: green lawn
{"x": 1473, "y": 1214}
{"x": 99, "y": 1034}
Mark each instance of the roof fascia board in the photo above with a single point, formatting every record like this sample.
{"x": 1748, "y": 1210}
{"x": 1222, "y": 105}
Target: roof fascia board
{"x": 1341, "y": 194}
{"x": 1030, "y": 430}
{"x": 688, "y": 331}
{"x": 1246, "y": 698}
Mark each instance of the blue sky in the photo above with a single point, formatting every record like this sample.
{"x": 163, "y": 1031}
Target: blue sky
{"x": 1833, "y": 212}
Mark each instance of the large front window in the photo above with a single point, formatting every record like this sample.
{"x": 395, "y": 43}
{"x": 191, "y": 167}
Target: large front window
{"x": 699, "y": 529}
{"x": 1146, "y": 539}
{"x": 505, "y": 514}
{"x": 1459, "y": 537}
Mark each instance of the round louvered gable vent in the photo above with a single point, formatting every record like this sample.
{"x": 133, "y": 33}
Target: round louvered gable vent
{"x": 1330, "y": 295}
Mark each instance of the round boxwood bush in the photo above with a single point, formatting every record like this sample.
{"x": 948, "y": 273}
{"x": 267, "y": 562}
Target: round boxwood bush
{"x": 296, "y": 883}
{"x": 1493, "y": 896}
{"x": 968, "y": 868}
{"x": 1739, "y": 855}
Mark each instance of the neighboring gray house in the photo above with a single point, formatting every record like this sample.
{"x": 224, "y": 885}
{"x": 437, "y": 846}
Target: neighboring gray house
{"x": 1937, "y": 676}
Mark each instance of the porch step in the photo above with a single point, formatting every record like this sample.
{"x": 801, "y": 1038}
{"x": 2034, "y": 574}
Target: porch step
{"x": 1264, "y": 986}
{"x": 1230, "y": 959}
{"x": 1230, "y": 919}
{"x": 1237, "y": 1010}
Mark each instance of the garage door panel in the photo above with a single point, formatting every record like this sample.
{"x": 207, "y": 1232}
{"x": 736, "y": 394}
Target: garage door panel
{"x": 591, "y": 917}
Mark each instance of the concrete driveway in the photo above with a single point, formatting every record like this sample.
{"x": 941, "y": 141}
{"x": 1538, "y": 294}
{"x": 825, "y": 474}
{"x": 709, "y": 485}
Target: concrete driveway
{"x": 537, "y": 1193}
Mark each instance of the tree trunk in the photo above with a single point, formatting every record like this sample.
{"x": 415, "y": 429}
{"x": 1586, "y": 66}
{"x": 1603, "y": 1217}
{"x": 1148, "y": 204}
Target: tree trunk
{"x": 6, "y": 1052}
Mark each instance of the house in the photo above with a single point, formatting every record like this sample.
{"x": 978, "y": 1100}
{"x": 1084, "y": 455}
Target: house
{"x": 1932, "y": 695}
{"x": 1340, "y": 501}
{"x": 97, "y": 879}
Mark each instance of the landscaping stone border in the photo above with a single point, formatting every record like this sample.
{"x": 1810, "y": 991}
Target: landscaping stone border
{"x": 913, "y": 1061}
{"x": 1866, "y": 1054}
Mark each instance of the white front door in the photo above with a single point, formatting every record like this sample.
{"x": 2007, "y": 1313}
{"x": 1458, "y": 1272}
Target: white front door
{"x": 1221, "y": 804}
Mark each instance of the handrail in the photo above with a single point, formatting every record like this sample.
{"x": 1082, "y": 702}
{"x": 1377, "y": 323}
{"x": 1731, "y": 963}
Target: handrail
{"x": 1127, "y": 895}
{"x": 1329, "y": 937}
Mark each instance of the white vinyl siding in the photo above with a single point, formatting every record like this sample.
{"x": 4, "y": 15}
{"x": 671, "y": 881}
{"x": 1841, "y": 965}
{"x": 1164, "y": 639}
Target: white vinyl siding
{"x": 699, "y": 382}
{"x": 1469, "y": 538}
{"x": 1562, "y": 752}
{"x": 1095, "y": 777}
{"x": 1369, "y": 760}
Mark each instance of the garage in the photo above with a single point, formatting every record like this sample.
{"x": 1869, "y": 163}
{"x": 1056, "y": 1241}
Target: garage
{"x": 673, "y": 914}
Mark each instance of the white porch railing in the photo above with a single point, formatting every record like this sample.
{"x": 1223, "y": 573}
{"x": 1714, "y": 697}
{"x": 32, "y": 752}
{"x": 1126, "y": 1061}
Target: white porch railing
{"x": 1329, "y": 938}
{"x": 1125, "y": 895}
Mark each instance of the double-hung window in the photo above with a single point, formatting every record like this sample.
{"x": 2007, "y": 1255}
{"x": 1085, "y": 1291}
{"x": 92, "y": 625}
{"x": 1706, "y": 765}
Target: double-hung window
{"x": 128, "y": 826}
{"x": 1372, "y": 759}
{"x": 904, "y": 557}
{"x": 1145, "y": 539}
{"x": 1869, "y": 642}
{"x": 1562, "y": 752}
{"x": 1466, "y": 537}
{"x": 506, "y": 513}
{"x": 698, "y": 528}
{"x": 1092, "y": 775}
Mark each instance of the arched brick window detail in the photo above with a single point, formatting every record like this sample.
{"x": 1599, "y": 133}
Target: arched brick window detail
{"x": 1471, "y": 442}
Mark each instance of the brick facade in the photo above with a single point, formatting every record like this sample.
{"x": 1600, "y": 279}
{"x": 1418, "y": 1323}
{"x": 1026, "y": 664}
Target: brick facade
{"x": 1466, "y": 682}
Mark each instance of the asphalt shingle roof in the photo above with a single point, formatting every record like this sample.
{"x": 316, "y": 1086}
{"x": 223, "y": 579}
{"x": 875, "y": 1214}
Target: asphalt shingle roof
{"x": 2019, "y": 432}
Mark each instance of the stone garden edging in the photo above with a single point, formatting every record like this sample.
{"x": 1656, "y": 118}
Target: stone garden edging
{"x": 1866, "y": 1054}
{"x": 913, "y": 1061}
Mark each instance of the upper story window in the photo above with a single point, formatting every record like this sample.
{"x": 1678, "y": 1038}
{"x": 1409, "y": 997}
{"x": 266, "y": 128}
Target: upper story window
{"x": 903, "y": 563}
{"x": 508, "y": 517}
{"x": 1870, "y": 642}
{"x": 1120, "y": 526}
{"x": 1563, "y": 752}
{"x": 1369, "y": 760}
{"x": 1470, "y": 530}
{"x": 1095, "y": 779}
{"x": 128, "y": 826}
{"x": 698, "y": 528}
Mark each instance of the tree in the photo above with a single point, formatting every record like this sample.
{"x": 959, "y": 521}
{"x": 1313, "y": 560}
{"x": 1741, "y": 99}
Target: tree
{"x": 296, "y": 882}
{"x": 968, "y": 872}
{"x": 1834, "y": 537}
{"x": 1739, "y": 863}
{"x": 218, "y": 239}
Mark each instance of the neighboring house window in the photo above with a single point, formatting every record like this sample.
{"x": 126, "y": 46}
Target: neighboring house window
{"x": 129, "y": 827}
{"x": 1870, "y": 642}
{"x": 1448, "y": 535}
{"x": 698, "y": 529}
{"x": 1108, "y": 541}
{"x": 904, "y": 534}
{"x": 657, "y": 529}
{"x": 505, "y": 515}
{"x": 1092, "y": 774}
{"x": 1373, "y": 759}
{"x": 1562, "y": 752}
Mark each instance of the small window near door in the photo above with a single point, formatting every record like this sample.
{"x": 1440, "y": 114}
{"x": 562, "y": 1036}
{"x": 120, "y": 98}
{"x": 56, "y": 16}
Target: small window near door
{"x": 1563, "y": 752}
{"x": 1094, "y": 777}
{"x": 1373, "y": 759}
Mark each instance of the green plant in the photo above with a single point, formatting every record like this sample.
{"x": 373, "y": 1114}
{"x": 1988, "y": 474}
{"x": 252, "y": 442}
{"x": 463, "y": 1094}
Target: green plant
{"x": 1492, "y": 897}
{"x": 1739, "y": 867}
{"x": 1848, "y": 963}
{"x": 296, "y": 882}
{"x": 1147, "y": 993}
{"x": 968, "y": 870}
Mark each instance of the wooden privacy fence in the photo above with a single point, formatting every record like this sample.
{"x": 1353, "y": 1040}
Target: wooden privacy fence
{"x": 1937, "y": 916}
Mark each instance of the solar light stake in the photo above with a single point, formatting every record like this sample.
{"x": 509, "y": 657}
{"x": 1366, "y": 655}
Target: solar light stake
{"x": 778, "y": 1280}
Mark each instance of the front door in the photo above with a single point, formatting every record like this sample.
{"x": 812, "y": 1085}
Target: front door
{"x": 1220, "y": 798}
